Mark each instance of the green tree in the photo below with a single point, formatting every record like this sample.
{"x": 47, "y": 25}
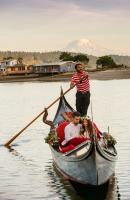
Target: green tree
{"x": 105, "y": 62}
{"x": 8, "y": 58}
{"x": 20, "y": 60}
{"x": 66, "y": 56}
{"x": 81, "y": 58}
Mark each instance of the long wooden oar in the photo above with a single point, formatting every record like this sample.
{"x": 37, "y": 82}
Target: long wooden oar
{"x": 15, "y": 136}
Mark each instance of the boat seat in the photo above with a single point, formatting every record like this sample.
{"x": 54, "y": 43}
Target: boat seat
{"x": 60, "y": 131}
{"x": 66, "y": 149}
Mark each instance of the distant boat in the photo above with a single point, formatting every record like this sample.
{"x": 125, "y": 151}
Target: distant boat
{"x": 89, "y": 163}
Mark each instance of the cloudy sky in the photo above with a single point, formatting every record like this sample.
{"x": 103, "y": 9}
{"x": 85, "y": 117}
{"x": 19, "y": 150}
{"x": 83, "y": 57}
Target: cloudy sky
{"x": 42, "y": 25}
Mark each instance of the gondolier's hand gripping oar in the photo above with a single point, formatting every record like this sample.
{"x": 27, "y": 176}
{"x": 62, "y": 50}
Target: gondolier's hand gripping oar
{"x": 83, "y": 78}
{"x": 19, "y": 133}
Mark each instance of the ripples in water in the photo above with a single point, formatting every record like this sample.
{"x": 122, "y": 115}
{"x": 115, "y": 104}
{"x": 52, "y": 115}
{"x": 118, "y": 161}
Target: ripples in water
{"x": 26, "y": 171}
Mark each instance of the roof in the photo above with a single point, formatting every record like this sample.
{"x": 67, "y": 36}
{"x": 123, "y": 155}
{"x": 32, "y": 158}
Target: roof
{"x": 17, "y": 65}
{"x": 6, "y": 60}
{"x": 53, "y": 63}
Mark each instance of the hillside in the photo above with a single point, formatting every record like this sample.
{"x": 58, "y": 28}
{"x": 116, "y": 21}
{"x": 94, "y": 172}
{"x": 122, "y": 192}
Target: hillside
{"x": 37, "y": 57}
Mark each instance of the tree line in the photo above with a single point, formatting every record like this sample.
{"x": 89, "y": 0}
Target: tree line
{"x": 65, "y": 56}
{"x": 103, "y": 62}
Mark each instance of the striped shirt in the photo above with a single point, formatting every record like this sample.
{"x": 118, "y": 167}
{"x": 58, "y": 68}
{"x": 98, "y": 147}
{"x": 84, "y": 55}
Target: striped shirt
{"x": 84, "y": 86}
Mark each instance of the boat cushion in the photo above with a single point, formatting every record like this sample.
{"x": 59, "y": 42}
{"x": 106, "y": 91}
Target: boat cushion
{"x": 66, "y": 149}
{"x": 60, "y": 131}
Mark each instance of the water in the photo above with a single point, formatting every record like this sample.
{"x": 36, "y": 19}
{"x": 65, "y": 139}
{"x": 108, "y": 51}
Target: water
{"x": 27, "y": 171}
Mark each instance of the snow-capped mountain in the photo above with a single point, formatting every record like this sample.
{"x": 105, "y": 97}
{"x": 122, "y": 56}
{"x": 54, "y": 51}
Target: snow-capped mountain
{"x": 89, "y": 47}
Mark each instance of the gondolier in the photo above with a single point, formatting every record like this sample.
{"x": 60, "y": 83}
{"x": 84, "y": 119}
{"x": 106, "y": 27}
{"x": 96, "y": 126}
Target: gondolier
{"x": 83, "y": 89}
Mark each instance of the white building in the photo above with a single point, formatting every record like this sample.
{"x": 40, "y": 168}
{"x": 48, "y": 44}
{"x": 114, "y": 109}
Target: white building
{"x": 7, "y": 63}
{"x": 68, "y": 66}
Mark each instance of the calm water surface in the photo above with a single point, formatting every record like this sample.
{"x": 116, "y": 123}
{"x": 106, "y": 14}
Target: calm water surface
{"x": 27, "y": 171}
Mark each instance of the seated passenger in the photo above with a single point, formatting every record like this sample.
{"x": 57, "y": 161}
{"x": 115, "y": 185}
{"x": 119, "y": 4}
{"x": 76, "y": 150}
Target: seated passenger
{"x": 88, "y": 129}
{"x": 72, "y": 132}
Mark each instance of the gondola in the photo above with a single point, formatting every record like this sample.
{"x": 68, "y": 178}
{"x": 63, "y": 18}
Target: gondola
{"x": 89, "y": 163}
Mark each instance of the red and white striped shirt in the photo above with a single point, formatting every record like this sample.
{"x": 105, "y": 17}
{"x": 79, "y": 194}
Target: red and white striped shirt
{"x": 84, "y": 86}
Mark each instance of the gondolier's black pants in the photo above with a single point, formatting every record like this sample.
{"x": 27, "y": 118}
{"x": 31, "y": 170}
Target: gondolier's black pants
{"x": 82, "y": 102}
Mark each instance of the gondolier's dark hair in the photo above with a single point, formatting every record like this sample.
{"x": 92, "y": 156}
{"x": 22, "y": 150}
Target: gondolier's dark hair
{"x": 76, "y": 114}
{"x": 77, "y": 65}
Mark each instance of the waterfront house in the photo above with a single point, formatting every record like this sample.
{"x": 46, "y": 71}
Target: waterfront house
{"x": 8, "y": 62}
{"x": 19, "y": 69}
{"x": 5, "y": 63}
{"x": 2, "y": 69}
{"x": 52, "y": 68}
{"x": 14, "y": 67}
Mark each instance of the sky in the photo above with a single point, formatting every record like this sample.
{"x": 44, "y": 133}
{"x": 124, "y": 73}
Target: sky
{"x": 48, "y": 25}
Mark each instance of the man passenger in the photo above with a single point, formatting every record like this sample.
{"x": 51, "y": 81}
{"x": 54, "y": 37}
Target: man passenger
{"x": 72, "y": 131}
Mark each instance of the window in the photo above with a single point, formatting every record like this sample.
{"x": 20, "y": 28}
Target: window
{"x": 12, "y": 68}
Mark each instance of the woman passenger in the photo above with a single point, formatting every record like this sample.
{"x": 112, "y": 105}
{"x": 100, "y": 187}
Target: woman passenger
{"x": 88, "y": 128}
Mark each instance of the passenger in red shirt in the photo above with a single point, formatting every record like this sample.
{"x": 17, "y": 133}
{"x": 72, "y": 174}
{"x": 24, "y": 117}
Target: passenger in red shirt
{"x": 83, "y": 89}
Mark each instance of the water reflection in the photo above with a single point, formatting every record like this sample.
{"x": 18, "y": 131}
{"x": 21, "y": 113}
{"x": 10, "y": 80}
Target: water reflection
{"x": 113, "y": 192}
{"x": 60, "y": 188}
{"x": 71, "y": 190}
{"x": 27, "y": 162}
{"x": 59, "y": 184}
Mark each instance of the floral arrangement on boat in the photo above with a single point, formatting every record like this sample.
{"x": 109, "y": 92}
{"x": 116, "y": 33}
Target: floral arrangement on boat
{"x": 52, "y": 138}
{"x": 109, "y": 139}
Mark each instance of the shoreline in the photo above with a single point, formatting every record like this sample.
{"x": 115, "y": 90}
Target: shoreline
{"x": 96, "y": 75}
